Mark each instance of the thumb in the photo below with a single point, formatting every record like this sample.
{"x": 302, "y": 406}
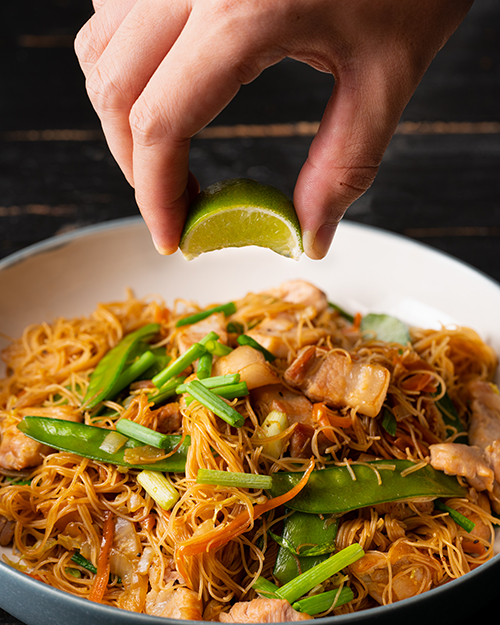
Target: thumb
{"x": 343, "y": 161}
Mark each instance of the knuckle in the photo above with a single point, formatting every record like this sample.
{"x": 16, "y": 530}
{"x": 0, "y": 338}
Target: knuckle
{"x": 103, "y": 92}
{"x": 86, "y": 44}
{"x": 144, "y": 124}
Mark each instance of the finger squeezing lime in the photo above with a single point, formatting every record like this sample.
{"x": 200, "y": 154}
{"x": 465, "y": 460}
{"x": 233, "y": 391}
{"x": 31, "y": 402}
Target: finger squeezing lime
{"x": 240, "y": 212}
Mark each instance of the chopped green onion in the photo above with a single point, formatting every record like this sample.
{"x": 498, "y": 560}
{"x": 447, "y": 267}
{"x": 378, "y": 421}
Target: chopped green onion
{"x": 233, "y": 327}
{"x": 213, "y": 382}
{"x": 214, "y": 403}
{"x": 113, "y": 442}
{"x": 460, "y": 519}
{"x": 232, "y": 391}
{"x": 204, "y": 368}
{"x": 158, "y": 488}
{"x": 244, "y": 339}
{"x": 176, "y": 367}
{"x": 77, "y": 558}
{"x": 73, "y": 572}
{"x": 342, "y": 312}
{"x": 233, "y": 478}
{"x": 168, "y": 390}
{"x": 141, "y": 433}
{"x": 216, "y": 348}
{"x": 227, "y": 309}
{"x": 315, "y": 604}
{"x": 265, "y": 588}
{"x": 304, "y": 583}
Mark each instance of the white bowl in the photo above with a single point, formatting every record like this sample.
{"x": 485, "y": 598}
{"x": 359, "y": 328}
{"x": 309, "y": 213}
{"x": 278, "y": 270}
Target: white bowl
{"x": 366, "y": 270}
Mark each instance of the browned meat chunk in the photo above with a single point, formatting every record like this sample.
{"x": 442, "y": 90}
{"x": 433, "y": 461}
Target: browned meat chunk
{"x": 332, "y": 377}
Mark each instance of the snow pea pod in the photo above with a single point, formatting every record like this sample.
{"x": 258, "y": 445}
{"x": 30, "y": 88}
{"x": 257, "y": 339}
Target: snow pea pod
{"x": 105, "y": 375}
{"x": 334, "y": 491}
{"x": 307, "y": 540}
{"x": 86, "y": 441}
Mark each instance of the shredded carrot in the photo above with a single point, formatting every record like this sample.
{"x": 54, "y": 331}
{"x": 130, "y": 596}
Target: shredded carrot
{"x": 103, "y": 567}
{"x": 326, "y": 418}
{"x": 222, "y": 534}
{"x": 357, "y": 321}
{"x": 419, "y": 382}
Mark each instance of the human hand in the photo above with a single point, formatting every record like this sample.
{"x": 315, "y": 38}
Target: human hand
{"x": 158, "y": 71}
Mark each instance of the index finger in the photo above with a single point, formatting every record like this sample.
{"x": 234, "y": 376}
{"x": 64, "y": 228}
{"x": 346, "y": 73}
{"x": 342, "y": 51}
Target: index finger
{"x": 202, "y": 72}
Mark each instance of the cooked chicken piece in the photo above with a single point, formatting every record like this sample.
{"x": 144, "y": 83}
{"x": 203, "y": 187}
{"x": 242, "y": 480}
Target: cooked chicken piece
{"x": 262, "y": 611}
{"x": 464, "y": 460}
{"x": 409, "y": 574}
{"x": 193, "y": 333}
{"x": 175, "y": 603}
{"x": 282, "y": 333}
{"x": 6, "y": 531}
{"x": 301, "y": 292}
{"x": 331, "y": 377}
{"x": 485, "y": 414}
{"x": 249, "y": 363}
{"x": 17, "y": 451}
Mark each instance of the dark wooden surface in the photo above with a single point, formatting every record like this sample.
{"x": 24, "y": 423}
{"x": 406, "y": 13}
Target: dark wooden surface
{"x": 439, "y": 182}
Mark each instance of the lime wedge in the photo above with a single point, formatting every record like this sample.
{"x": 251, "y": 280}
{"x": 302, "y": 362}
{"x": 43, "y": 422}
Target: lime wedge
{"x": 240, "y": 212}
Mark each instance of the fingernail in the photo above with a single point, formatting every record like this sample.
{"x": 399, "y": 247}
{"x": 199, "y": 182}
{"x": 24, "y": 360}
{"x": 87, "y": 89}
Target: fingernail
{"x": 161, "y": 249}
{"x": 316, "y": 245}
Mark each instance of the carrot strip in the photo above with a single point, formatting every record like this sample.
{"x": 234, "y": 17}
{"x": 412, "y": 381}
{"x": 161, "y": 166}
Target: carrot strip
{"x": 327, "y": 418}
{"x": 103, "y": 567}
{"x": 222, "y": 534}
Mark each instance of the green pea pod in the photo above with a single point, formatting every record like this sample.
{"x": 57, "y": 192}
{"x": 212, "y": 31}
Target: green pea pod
{"x": 111, "y": 365}
{"x": 85, "y": 440}
{"x": 304, "y": 533}
{"x": 334, "y": 491}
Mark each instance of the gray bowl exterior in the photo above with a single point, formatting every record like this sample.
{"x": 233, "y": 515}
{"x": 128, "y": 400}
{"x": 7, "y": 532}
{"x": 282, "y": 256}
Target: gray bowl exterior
{"x": 35, "y": 603}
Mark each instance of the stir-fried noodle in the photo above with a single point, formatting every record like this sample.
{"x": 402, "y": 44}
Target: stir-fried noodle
{"x": 203, "y": 554}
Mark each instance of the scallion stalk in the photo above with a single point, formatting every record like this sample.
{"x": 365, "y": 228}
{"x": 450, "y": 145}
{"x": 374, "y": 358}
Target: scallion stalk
{"x": 214, "y": 403}
{"x": 168, "y": 390}
{"x": 204, "y": 368}
{"x": 265, "y": 588}
{"x": 302, "y": 584}
{"x": 113, "y": 442}
{"x": 213, "y": 382}
{"x": 176, "y": 367}
{"x": 315, "y": 604}
{"x": 233, "y": 478}
{"x": 460, "y": 519}
{"x": 158, "y": 488}
{"x": 244, "y": 339}
{"x": 141, "y": 433}
{"x": 216, "y": 348}
{"x": 227, "y": 309}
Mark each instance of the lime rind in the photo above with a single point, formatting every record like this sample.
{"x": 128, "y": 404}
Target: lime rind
{"x": 238, "y": 213}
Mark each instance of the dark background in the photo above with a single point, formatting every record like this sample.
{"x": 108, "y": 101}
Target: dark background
{"x": 439, "y": 182}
